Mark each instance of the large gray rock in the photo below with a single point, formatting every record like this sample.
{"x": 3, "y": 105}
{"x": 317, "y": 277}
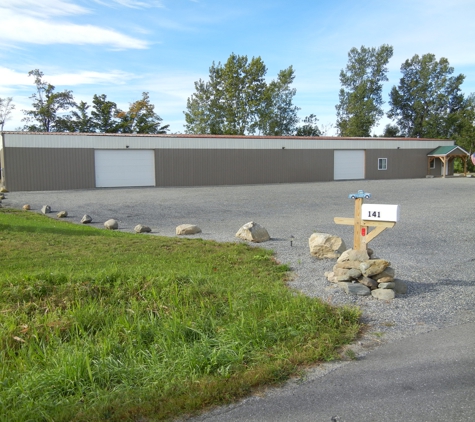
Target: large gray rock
{"x": 253, "y": 232}
{"x": 111, "y": 224}
{"x": 86, "y": 219}
{"x": 324, "y": 245}
{"x": 140, "y": 228}
{"x": 62, "y": 214}
{"x": 185, "y": 229}
{"x": 45, "y": 209}
{"x": 383, "y": 294}
{"x": 355, "y": 289}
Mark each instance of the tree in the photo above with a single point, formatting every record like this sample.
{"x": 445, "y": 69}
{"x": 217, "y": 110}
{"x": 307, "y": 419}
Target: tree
{"x": 391, "y": 131}
{"x": 6, "y": 108}
{"x": 309, "y": 128}
{"x": 141, "y": 118}
{"x": 427, "y": 102}
{"x": 279, "y": 117}
{"x": 78, "y": 121}
{"x": 104, "y": 115}
{"x": 360, "y": 105}
{"x": 237, "y": 100}
{"x": 47, "y": 106}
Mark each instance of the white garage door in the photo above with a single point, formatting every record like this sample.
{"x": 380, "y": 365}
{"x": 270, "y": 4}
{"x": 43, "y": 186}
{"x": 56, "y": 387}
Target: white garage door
{"x": 349, "y": 164}
{"x": 122, "y": 168}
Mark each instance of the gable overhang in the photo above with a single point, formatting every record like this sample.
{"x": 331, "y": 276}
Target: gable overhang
{"x": 446, "y": 154}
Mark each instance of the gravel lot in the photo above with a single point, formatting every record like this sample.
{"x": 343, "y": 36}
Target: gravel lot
{"x": 432, "y": 248}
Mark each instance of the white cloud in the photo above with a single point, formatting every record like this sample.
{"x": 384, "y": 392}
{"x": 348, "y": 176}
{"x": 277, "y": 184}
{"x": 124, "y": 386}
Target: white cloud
{"x": 30, "y": 22}
{"x": 133, "y": 4}
{"x": 43, "y": 9}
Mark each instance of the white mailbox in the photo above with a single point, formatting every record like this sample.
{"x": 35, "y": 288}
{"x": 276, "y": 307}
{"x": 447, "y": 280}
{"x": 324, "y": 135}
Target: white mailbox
{"x": 380, "y": 212}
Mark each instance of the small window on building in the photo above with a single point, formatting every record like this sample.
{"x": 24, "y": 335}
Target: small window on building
{"x": 382, "y": 163}
{"x": 432, "y": 164}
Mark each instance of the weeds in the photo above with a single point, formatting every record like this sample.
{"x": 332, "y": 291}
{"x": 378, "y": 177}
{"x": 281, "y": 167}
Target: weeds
{"x": 98, "y": 325}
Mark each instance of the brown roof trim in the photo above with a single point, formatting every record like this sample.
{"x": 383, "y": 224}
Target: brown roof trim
{"x": 185, "y": 135}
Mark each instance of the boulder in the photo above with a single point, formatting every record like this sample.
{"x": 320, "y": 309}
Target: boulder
{"x": 400, "y": 287}
{"x": 185, "y": 229}
{"x": 139, "y": 228}
{"x": 383, "y": 294}
{"x": 323, "y": 245}
{"x": 62, "y": 214}
{"x": 86, "y": 219}
{"x": 353, "y": 255}
{"x": 355, "y": 289}
{"x": 373, "y": 266}
{"x": 253, "y": 232}
{"x": 46, "y": 209}
{"x": 26, "y": 207}
{"x": 111, "y": 224}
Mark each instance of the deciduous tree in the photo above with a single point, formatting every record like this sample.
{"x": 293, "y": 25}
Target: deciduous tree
{"x": 428, "y": 101}
{"x": 360, "y": 105}
{"x": 47, "y": 106}
{"x": 6, "y": 107}
{"x": 237, "y": 100}
{"x": 141, "y": 118}
{"x": 310, "y": 127}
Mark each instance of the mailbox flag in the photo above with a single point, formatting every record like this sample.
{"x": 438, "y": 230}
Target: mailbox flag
{"x": 473, "y": 158}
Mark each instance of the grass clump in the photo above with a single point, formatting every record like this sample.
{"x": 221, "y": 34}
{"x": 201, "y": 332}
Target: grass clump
{"x": 99, "y": 325}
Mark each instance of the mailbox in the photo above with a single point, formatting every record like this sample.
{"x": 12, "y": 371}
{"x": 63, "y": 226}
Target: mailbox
{"x": 380, "y": 212}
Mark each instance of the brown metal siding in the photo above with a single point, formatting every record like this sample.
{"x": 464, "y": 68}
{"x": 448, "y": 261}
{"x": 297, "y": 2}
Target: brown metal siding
{"x": 402, "y": 163}
{"x": 195, "y": 167}
{"x": 37, "y": 169}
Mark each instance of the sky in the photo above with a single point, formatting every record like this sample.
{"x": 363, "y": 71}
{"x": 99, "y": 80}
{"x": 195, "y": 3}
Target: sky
{"x": 122, "y": 48}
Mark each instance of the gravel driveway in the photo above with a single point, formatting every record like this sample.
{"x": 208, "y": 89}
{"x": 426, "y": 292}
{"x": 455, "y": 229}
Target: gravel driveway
{"x": 432, "y": 248}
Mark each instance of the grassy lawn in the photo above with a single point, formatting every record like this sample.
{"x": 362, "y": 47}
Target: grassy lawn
{"x": 98, "y": 325}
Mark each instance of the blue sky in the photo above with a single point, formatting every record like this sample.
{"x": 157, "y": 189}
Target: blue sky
{"x": 122, "y": 48}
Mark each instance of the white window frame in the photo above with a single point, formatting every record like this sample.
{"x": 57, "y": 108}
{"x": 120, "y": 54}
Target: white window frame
{"x": 432, "y": 164}
{"x": 382, "y": 166}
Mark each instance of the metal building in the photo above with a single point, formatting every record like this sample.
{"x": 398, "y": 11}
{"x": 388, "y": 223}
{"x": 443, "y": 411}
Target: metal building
{"x": 64, "y": 161}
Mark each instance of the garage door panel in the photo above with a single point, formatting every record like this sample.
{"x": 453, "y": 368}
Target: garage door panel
{"x": 119, "y": 168}
{"x": 349, "y": 164}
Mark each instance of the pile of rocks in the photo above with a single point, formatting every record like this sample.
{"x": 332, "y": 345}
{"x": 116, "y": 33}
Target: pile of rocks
{"x": 358, "y": 273}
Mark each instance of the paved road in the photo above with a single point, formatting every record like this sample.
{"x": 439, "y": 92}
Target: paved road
{"x": 430, "y": 377}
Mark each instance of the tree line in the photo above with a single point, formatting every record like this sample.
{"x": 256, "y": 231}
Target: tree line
{"x": 237, "y": 100}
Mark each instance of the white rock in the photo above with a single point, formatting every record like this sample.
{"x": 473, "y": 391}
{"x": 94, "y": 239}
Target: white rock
{"x": 111, "y": 224}
{"x": 185, "y": 229}
{"x": 324, "y": 245}
{"x": 253, "y": 232}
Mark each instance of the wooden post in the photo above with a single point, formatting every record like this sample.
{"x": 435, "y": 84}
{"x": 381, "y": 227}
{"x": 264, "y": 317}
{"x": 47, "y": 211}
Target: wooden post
{"x": 358, "y": 242}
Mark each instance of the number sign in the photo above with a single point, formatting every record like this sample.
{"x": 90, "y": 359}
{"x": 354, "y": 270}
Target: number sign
{"x": 380, "y": 212}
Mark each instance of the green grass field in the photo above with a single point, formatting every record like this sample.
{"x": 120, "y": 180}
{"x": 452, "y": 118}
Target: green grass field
{"x": 98, "y": 325}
